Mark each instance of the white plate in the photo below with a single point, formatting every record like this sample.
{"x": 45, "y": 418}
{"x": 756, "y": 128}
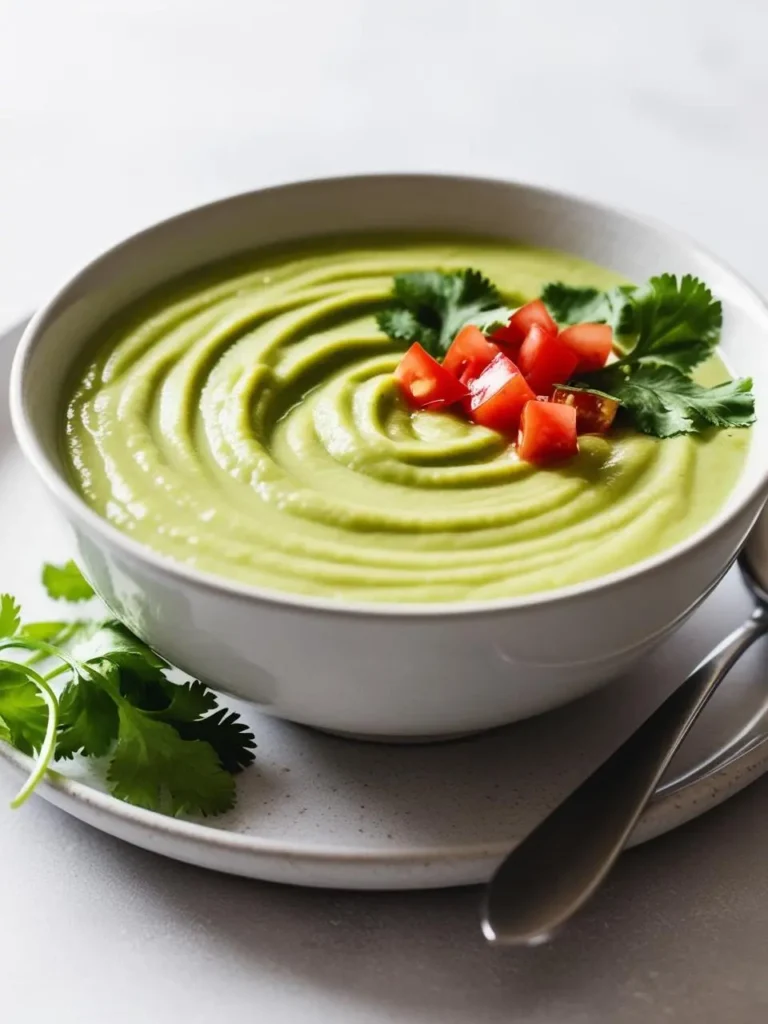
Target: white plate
{"x": 322, "y": 811}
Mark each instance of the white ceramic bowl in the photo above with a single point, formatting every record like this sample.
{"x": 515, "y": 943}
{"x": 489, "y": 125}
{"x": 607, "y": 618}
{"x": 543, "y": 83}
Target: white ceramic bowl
{"x": 397, "y": 671}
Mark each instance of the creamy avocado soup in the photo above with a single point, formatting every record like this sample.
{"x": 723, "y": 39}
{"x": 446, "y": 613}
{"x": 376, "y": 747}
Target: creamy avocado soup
{"x": 247, "y": 423}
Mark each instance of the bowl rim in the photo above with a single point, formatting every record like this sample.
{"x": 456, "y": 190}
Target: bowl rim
{"x": 79, "y": 510}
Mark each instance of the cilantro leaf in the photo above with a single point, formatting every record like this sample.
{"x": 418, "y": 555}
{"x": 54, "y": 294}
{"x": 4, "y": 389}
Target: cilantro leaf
{"x": 46, "y": 631}
{"x": 56, "y": 634}
{"x": 178, "y": 701}
{"x": 573, "y": 305}
{"x": 10, "y": 615}
{"x": 670, "y": 322}
{"x": 66, "y": 582}
{"x": 23, "y": 711}
{"x": 664, "y": 402}
{"x": 430, "y": 306}
{"x": 492, "y": 319}
{"x": 154, "y": 767}
{"x": 401, "y": 325}
{"x": 185, "y": 707}
{"x": 188, "y": 701}
{"x": 231, "y": 738}
{"x": 148, "y": 691}
{"x": 113, "y": 642}
{"x": 88, "y": 719}
{"x": 673, "y": 322}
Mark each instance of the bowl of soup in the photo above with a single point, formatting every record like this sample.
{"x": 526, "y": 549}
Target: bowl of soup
{"x": 215, "y": 409}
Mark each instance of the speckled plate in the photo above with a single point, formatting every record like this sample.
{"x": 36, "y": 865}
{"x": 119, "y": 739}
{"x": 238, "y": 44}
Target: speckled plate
{"x": 321, "y": 811}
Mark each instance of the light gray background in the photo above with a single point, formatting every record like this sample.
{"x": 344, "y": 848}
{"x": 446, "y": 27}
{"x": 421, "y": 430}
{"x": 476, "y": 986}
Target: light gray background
{"x": 116, "y": 112}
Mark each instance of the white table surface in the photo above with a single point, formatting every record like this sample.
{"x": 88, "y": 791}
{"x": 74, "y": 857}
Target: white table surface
{"x": 116, "y": 112}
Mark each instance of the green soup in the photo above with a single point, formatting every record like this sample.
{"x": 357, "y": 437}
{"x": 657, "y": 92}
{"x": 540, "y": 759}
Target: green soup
{"x": 246, "y": 423}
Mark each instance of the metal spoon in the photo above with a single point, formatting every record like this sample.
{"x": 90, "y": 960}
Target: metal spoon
{"x": 554, "y": 871}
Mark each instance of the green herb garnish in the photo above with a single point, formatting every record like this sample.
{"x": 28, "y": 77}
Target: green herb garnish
{"x": 663, "y": 402}
{"x": 170, "y": 748}
{"x": 661, "y": 331}
{"x": 570, "y": 305}
{"x": 431, "y": 306}
{"x": 668, "y": 321}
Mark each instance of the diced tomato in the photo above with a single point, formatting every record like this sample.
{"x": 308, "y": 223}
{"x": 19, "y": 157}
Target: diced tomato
{"x": 545, "y": 360}
{"x": 523, "y": 320}
{"x": 425, "y": 382}
{"x": 470, "y": 351}
{"x": 592, "y": 343}
{"x": 508, "y": 340}
{"x": 498, "y": 396}
{"x": 547, "y": 432}
{"x": 594, "y": 414}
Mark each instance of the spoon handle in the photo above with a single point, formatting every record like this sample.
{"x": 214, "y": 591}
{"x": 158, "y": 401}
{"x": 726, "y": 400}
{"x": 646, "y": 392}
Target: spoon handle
{"x": 551, "y": 874}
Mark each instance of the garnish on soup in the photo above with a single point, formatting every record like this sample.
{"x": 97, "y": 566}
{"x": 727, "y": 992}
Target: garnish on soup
{"x": 558, "y": 349}
{"x": 430, "y": 306}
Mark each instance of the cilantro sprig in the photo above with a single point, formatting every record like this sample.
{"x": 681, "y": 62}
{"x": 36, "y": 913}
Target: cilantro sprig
{"x": 431, "y": 306}
{"x": 663, "y": 331}
{"x": 571, "y": 305}
{"x": 170, "y": 747}
{"x": 671, "y": 322}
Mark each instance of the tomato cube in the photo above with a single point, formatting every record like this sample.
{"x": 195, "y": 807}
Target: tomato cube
{"x": 498, "y": 396}
{"x": 470, "y": 352}
{"x": 425, "y": 382}
{"x": 547, "y": 432}
{"x": 545, "y": 360}
{"x": 594, "y": 413}
{"x": 523, "y": 320}
{"x": 592, "y": 343}
{"x": 508, "y": 341}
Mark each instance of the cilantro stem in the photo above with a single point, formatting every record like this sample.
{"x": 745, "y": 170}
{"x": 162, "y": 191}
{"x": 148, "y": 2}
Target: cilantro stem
{"x": 182, "y": 765}
{"x": 56, "y": 672}
{"x": 31, "y": 644}
{"x": 48, "y": 746}
{"x": 66, "y": 634}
